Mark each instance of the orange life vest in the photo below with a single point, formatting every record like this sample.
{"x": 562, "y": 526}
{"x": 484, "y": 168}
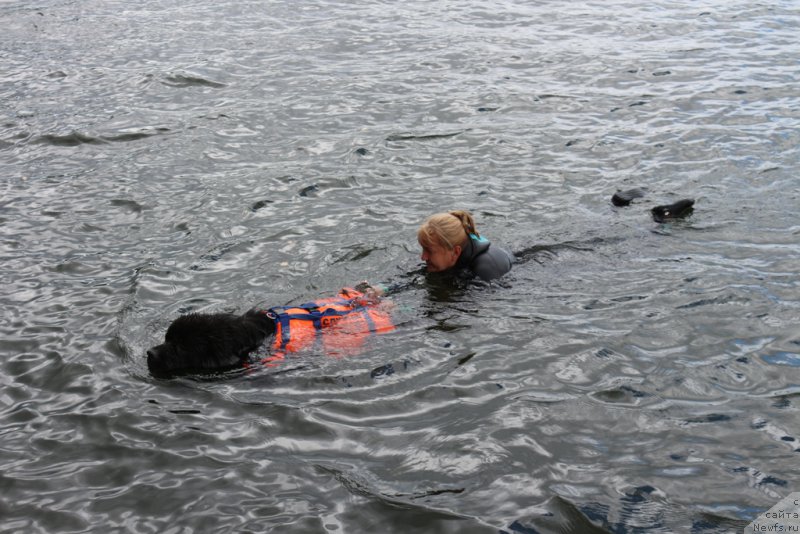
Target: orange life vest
{"x": 339, "y": 324}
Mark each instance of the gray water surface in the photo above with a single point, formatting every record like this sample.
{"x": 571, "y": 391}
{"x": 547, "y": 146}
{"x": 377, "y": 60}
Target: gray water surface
{"x": 162, "y": 157}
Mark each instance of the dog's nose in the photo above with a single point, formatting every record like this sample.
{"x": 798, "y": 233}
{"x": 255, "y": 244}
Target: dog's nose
{"x": 154, "y": 363}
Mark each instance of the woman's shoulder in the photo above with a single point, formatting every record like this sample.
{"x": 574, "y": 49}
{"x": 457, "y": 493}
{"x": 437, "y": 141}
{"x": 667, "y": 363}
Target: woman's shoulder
{"x": 491, "y": 261}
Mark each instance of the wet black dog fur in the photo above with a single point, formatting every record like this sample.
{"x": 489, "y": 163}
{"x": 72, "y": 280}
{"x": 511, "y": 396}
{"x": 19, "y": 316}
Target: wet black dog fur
{"x": 208, "y": 343}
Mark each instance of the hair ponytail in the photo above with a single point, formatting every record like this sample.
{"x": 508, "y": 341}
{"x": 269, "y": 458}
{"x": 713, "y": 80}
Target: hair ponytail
{"x": 447, "y": 230}
{"x": 467, "y": 221}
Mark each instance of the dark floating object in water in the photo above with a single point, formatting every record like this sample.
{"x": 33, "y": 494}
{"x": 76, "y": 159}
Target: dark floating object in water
{"x": 188, "y": 80}
{"x": 76, "y": 138}
{"x": 72, "y": 139}
{"x": 624, "y": 198}
{"x": 681, "y": 208}
{"x": 309, "y": 191}
{"x": 362, "y": 151}
{"x": 383, "y": 370}
{"x": 421, "y": 137}
{"x": 260, "y": 204}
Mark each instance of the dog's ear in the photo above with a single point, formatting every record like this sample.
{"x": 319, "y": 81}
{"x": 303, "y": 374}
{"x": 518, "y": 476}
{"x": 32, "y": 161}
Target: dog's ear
{"x": 263, "y": 322}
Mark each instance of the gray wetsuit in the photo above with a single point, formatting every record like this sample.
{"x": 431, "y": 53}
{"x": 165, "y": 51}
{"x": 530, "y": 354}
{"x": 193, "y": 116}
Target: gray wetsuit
{"x": 483, "y": 260}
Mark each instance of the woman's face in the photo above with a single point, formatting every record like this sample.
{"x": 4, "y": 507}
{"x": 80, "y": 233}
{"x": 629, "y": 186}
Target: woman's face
{"x": 437, "y": 258}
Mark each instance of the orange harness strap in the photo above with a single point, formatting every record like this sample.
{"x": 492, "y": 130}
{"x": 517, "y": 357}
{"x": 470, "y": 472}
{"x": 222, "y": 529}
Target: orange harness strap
{"x": 340, "y": 323}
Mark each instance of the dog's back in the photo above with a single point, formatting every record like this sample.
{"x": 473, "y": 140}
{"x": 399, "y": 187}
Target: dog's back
{"x": 340, "y": 325}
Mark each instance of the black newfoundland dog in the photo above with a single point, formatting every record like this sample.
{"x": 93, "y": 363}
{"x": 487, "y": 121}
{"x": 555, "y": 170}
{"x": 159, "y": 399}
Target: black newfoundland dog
{"x": 197, "y": 344}
{"x": 209, "y": 343}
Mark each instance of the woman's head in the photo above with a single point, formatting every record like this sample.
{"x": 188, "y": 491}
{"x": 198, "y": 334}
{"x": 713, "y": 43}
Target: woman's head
{"x": 442, "y": 238}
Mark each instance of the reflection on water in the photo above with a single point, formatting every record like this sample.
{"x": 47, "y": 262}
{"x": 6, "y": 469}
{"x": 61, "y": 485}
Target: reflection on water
{"x": 626, "y": 376}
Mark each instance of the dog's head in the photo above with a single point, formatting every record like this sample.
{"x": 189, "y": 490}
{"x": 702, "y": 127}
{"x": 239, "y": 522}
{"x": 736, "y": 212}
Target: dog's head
{"x": 208, "y": 343}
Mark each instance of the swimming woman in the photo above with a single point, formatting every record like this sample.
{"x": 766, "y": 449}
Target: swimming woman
{"x": 450, "y": 242}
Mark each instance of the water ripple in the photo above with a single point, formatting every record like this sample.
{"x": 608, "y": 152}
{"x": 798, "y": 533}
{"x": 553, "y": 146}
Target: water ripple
{"x": 626, "y": 376}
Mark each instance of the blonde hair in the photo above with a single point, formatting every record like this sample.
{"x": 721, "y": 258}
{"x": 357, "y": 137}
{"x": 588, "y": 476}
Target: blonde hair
{"x": 447, "y": 229}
